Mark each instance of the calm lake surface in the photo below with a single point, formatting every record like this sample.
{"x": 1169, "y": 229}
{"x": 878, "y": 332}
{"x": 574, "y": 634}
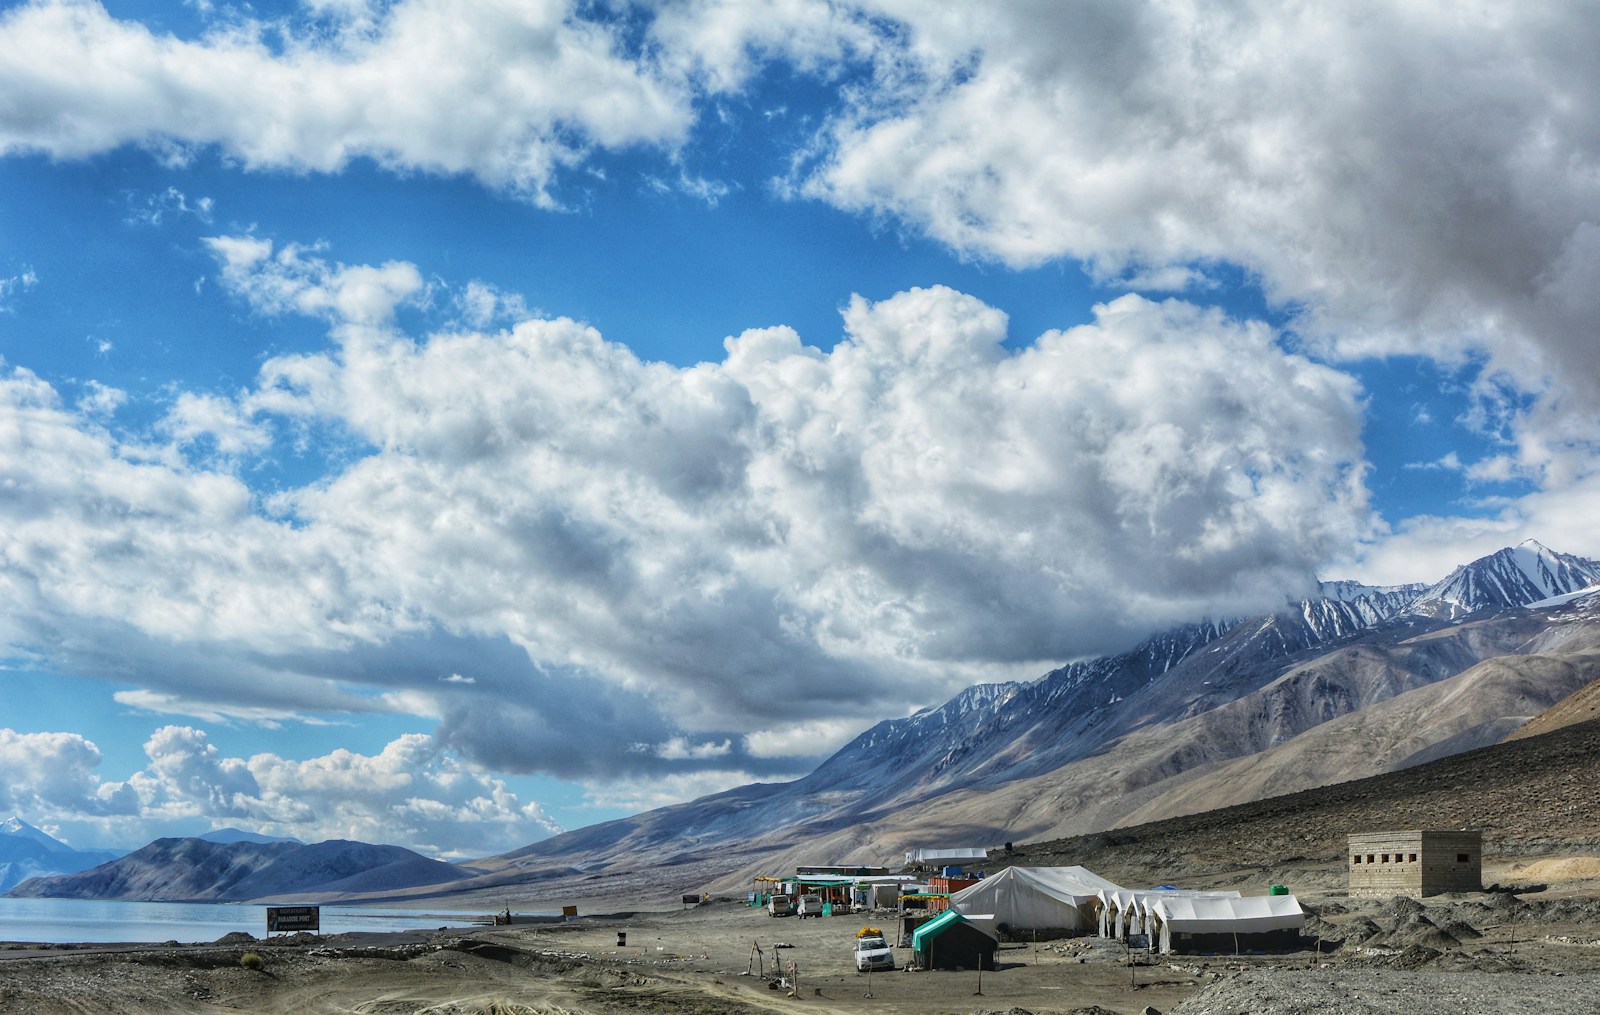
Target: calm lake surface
{"x": 65, "y": 921}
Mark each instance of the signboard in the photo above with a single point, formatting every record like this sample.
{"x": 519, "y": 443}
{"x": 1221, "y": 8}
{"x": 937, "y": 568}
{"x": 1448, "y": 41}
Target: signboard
{"x": 294, "y": 918}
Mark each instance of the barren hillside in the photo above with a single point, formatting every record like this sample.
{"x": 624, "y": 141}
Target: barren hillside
{"x": 1531, "y": 797}
{"x": 1579, "y": 706}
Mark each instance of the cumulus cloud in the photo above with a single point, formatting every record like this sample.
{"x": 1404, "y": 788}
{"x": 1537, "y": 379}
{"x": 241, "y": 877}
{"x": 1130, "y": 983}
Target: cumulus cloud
{"x": 1419, "y": 177}
{"x": 508, "y": 93}
{"x": 47, "y": 773}
{"x": 217, "y": 421}
{"x": 582, "y": 563}
{"x": 563, "y": 552}
{"x": 1409, "y": 177}
{"x": 410, "y": 793}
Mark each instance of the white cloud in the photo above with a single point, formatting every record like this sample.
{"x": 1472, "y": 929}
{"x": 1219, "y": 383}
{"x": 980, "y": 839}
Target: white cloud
{"x": 410, "y": 793}
{"x": 481, "y": 305}
{"x": 800, "y": 739}
{"x": 293, "y": 279}
{"x": 212, "y": 712}
{"x": 47, "y": 773}
{"x": 154, "y": 209}
{"x": 619, "y": 552}
{"x": 681, "y": 749}
{"x": 15, "y": 284}
{"x": 634, "y": 796}
{"x": 509, "y": 93}
{"x": 1395, "y": 166}
{"x": 218, "y": 421}
{"x": 100, "y": 400}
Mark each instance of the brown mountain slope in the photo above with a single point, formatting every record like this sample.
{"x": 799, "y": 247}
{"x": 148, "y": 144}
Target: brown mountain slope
{"x": 1530, "y": 797}
{"x": 1473, "y": 709}
{"x": 1247, "y": 749}
{"x": 1579, "y": 706}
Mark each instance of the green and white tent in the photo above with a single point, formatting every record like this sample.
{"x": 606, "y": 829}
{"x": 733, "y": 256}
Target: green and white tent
{"x": 951, "y": 941}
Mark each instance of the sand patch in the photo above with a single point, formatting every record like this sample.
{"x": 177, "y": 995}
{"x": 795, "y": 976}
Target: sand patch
{"x": 1567, "y": 868}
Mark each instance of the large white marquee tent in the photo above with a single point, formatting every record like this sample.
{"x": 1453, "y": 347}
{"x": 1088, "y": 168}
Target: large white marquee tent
{"x": 1033, "y": 898}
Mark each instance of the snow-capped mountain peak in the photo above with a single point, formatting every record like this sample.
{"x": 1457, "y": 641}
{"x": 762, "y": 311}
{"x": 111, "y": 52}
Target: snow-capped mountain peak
{"x": 1515, "y": 576}
{"x": 16, "y": 826}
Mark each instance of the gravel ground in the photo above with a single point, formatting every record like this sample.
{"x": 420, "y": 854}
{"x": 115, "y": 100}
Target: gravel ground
{"x": 1534, "y": 947}
{"x": 1394, "y": 992}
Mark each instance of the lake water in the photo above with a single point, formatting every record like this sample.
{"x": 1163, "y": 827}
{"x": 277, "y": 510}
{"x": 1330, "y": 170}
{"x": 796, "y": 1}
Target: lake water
{"x": 65, "y": 921}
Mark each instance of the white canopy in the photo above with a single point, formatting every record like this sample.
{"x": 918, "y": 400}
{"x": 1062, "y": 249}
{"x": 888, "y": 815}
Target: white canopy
{"x": 1129, "y": 911}
{"x": 1255, "y": 914}
{"x": 1032, "y": 898}
{"x": 938, "y": 855}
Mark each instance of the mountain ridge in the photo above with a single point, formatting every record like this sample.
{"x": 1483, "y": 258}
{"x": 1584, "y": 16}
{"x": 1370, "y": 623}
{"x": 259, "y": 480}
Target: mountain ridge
{"x": 198, "y": 870}
{"x": 27, "y": 852}
{"x": 1354, "y": 682}
{"x": 1352, "y": 647}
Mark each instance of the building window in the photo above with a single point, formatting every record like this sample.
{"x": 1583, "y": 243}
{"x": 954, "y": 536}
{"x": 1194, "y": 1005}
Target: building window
{"x": 1413, "y": 858}
{"x": 1371, "y": 858}
{"x": 1462, "y": 858}
{"x": 1386, "y": 858}
{"x": 1356, "y": 858}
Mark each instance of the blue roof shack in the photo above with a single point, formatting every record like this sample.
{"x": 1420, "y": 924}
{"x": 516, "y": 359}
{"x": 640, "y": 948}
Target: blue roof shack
{"x": 950, "y": 941}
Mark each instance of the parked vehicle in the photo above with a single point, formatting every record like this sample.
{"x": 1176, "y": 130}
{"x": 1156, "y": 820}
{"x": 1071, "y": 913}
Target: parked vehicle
{"x": 873, "y": 952}
{"x": 779, "y": 905}
{"x": 810, "y": 905}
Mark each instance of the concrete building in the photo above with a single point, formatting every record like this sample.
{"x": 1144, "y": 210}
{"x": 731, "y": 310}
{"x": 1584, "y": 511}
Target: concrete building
{"x": 1415, "y": 863}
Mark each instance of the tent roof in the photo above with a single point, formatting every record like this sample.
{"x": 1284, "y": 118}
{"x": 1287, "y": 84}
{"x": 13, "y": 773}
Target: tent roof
{"x": 935, "y": 927}
{"x": 1145, "y": 898}
{"x": 1072, "y": 885}
{"x": 1248, "y": 915}
{"x": 929, "y": 854}
{"x": 938, "y": 925}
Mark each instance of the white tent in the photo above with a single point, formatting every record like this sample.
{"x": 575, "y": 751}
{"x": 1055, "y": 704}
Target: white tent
{"x": 1033, "y": 898}
{"x": 939, "y": 856}
{"x": 1129, "y": 911}
{"x": 1255, "y": 914}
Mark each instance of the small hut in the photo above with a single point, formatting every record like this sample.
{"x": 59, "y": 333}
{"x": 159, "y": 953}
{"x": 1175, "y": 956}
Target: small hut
{"x": 950, "y": 941}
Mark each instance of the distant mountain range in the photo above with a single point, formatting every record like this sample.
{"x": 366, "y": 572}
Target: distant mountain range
{"x": 1356, "y": 682}
{"x": 26, "y": 852}
{"x": 193, "y": 869}
{"x": 240, "y": 835}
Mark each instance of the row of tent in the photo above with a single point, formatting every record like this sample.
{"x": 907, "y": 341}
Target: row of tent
{"x": 1019, "y": 900}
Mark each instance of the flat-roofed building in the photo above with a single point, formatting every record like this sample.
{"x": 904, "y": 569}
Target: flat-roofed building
{"x": 1415, "y": 863}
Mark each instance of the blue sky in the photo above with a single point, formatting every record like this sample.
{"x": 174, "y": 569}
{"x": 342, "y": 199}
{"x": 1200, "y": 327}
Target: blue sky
{"x": 443, "y": 424}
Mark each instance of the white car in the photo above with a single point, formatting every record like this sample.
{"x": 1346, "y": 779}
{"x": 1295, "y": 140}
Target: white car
{"x": 809, "y": 905}
{"x": 873, "y": 953}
